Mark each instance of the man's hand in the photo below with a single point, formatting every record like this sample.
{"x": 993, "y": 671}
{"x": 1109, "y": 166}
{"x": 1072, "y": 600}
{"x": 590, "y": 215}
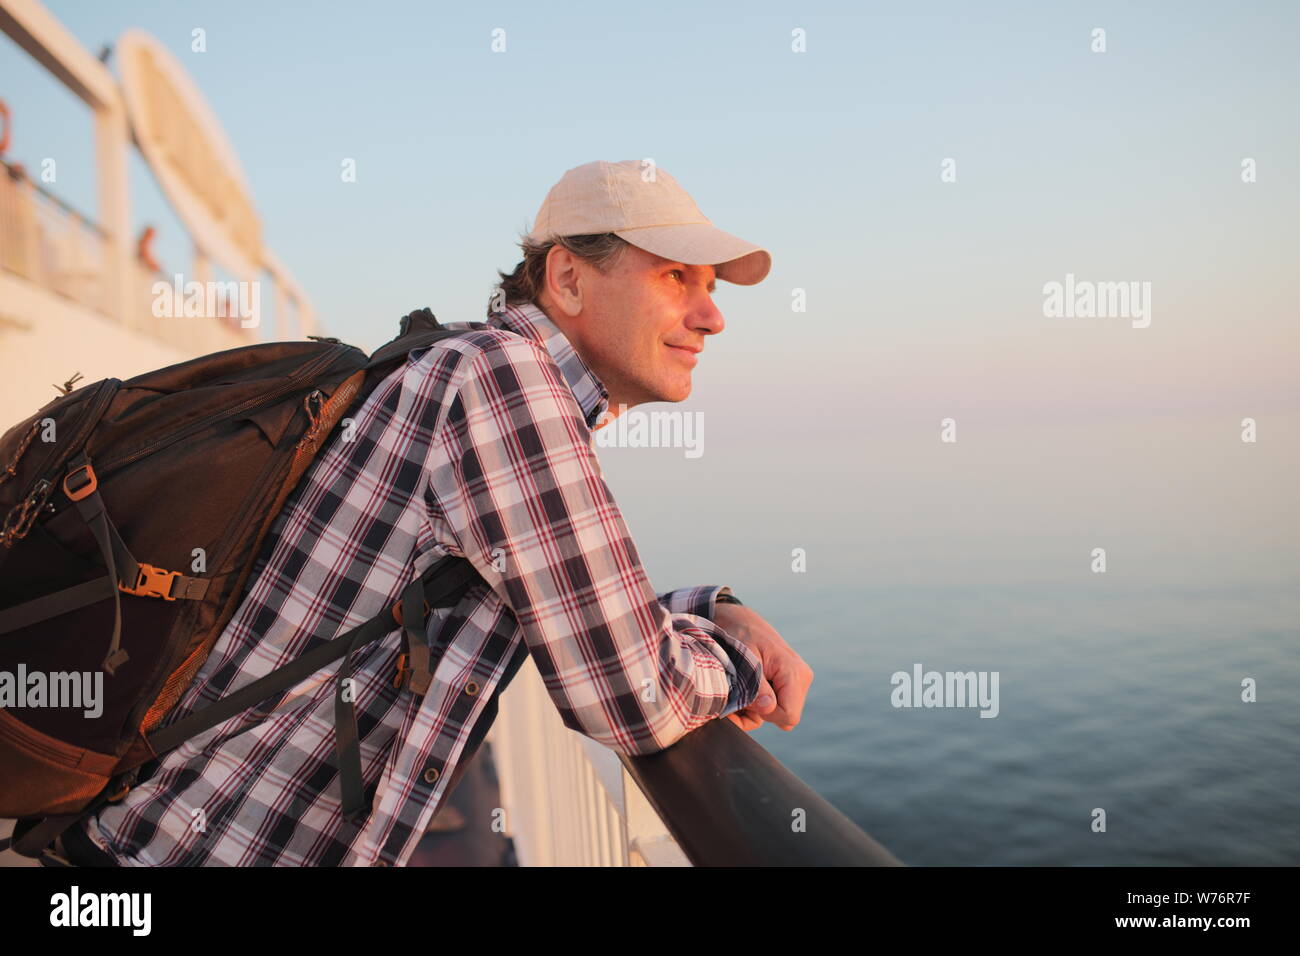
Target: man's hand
{"x": 785, "y": 675}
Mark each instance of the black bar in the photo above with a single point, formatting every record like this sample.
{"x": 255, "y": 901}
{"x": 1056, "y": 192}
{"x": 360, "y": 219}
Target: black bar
{"x": 728, "y": 802}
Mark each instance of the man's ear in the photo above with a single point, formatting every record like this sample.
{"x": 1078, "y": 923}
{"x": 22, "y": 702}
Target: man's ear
{"x": 564, "y": 280}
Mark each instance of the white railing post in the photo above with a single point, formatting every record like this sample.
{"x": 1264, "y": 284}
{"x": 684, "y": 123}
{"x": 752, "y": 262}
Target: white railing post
{"x": 116, "y": 296}
{"x": 568, "y": 800}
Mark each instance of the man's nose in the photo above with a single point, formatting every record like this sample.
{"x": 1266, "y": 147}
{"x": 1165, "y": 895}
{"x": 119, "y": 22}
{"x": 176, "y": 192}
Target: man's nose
{"x": 706, "y": 317}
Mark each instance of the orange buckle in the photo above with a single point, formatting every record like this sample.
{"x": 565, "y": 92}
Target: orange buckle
{"x": 397, "y": 612}
{"x": 88, "y": 488}
{"x": 153, "y": 582}
{"x": 402, "y": 671}
{"x": 115, "y": 797}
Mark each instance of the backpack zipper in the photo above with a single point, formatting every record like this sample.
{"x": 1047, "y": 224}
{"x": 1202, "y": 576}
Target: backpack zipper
{"x": 37, "y": 501}
{"x": 344, "y": 394}
{"x": 288, "y": 386}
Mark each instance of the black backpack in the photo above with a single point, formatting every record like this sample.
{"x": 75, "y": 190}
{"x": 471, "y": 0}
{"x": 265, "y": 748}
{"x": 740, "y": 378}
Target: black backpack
{"x": 103, "y": 494}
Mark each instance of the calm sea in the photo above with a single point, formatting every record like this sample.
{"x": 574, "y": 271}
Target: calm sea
{"x": 1119, "y": 691}
{"x": 1128, "y": 702}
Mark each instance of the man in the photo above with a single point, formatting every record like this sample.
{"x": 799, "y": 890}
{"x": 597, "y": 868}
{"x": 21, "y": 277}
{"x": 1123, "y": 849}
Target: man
{"x": 479, "y": 447}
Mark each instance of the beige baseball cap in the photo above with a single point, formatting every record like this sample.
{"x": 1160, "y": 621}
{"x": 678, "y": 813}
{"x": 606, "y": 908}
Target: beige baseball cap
{"x": 639, "y": 202}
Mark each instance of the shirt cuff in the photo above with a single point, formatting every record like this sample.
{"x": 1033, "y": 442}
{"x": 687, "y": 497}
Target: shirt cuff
{"x": 748, "y": 672}
{"x": 700, "y": 601}
{"x": 746, "y": 668}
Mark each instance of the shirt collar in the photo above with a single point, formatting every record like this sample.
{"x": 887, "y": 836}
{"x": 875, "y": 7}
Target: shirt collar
{"x": 528, "y": 320}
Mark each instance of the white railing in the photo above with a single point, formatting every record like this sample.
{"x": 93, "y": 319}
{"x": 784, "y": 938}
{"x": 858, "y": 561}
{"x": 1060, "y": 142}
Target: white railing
{"x": 93, "y": 261}
{"x": 567, "y": 799}
{"x": 51, "y": 245}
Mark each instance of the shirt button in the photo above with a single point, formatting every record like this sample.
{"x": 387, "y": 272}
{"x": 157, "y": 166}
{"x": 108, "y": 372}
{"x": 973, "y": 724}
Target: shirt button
{"x": 471, "y": 688}
{"x": 431, "y": 775}
{"x": 380, "y": 863}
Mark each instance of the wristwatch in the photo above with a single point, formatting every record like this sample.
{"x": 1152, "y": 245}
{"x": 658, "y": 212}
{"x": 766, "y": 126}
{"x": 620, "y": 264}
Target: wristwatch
{"x": 728, "y": 599}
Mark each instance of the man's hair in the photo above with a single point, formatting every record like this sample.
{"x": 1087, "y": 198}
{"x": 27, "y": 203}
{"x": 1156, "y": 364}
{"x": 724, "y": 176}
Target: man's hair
{"x": 525, "y": 284}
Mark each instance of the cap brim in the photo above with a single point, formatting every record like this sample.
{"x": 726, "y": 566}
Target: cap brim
{"x": 704, "y": 244}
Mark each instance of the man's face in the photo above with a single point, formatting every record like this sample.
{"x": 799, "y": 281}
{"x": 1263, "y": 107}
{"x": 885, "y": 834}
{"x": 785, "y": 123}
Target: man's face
{"x": 638, "y": 325}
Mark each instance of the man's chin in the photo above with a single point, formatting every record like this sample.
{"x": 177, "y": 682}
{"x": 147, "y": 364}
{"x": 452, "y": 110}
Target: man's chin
{"x": 680, "y": 394}
{"x": 675, "y": 391}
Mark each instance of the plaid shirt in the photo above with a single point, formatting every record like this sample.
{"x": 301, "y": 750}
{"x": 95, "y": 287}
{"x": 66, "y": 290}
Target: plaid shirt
{"x": 481, "y": 447}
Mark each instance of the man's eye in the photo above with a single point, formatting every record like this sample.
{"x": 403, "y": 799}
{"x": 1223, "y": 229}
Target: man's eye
{"x": 679, "y": 273}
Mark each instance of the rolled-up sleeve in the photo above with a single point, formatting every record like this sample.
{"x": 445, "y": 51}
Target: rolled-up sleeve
{"x": 513, "y": 477}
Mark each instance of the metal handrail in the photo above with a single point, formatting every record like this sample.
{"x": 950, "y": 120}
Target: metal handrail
{"x": 12, "y": 170}
{"x": 728, "y": 802}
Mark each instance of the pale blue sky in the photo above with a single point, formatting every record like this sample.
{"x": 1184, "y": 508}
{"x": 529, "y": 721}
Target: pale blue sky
{"x": 1124, "y": 161}
{"x": 924, "y": 298}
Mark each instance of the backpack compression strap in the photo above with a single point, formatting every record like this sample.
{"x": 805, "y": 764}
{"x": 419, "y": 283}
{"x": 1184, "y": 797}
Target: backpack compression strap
{"x": 82, "y": 488}
{"x": 444, "y": 583}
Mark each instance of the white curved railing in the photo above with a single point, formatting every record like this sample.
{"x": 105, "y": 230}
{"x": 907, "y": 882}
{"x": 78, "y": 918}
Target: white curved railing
{"x": 567, "y": 799}
{"x": 50, "y": 245}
